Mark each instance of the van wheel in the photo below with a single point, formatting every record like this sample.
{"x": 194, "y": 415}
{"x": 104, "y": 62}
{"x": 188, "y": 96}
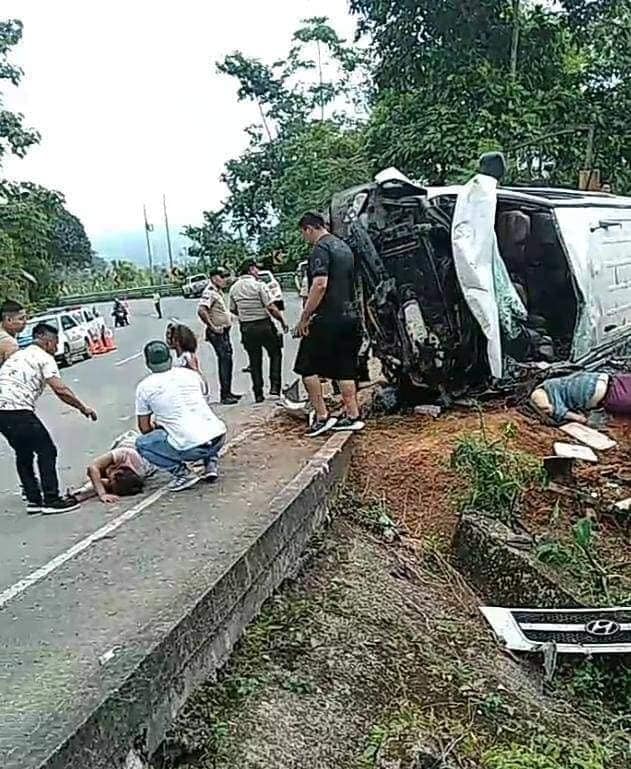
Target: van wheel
{"x": 87, "y": 354}
{"x": 65, "y": 358}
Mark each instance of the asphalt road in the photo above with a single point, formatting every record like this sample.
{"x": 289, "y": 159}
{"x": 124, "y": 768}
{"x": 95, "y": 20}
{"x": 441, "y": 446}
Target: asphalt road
{"x": 106, "y": 383}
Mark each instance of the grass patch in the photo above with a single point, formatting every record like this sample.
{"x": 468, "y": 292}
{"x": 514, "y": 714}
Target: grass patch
{"x": 497, "y": 476}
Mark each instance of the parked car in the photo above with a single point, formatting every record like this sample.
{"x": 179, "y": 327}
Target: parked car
{"x": 73, "y": 344}
{"x": 463, "y": 287}
{"x": 193, "y": 286}
{"x": 273, "y": 287}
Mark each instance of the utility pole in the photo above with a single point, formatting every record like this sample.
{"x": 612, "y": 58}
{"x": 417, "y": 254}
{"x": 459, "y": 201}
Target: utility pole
{"x": 166, "y": 227}
{"x": 148, "y": 229}
{"x": 321, "y": 82}
{"x": 514, "y": 49}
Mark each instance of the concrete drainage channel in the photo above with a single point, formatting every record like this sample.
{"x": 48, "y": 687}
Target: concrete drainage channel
{"x": 129, "y": 725}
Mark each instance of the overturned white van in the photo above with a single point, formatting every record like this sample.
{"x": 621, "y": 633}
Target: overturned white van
{"x": 463, "y": 285}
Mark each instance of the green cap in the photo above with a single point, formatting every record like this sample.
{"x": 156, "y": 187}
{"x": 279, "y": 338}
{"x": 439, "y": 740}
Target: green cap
{"x": 157, "y": 357}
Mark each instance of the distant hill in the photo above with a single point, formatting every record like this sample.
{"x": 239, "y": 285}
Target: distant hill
{"x": 131, "y": 246}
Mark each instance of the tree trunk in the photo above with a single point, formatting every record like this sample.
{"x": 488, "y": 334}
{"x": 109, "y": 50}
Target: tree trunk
{"x": 514, "y": 49}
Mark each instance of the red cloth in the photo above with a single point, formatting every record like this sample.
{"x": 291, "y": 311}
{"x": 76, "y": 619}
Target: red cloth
{"x": 618, "y": 398}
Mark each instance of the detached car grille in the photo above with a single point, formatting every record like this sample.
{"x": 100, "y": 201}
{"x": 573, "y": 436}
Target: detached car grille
{"x": 570, "y": 630}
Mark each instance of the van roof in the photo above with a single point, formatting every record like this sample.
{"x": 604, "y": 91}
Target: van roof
{"x": 550, "y": 197}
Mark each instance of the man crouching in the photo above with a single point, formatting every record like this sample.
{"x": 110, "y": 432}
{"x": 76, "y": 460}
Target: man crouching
{"x": 178, "y": 426}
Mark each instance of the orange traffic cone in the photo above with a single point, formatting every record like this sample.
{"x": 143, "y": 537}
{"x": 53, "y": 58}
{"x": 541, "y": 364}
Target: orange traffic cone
{"x": 99, "y": 347}
{"x": 109, "y": 343}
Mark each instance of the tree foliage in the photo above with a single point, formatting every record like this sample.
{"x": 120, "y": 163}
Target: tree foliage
{"x": 437, "y": 84}
{"x": 215, "y": 243}
{"x": 38, "y": 235}
{"x": 14, "y": 136}
{"x": 458, "y": 77}
{"x": 306, "y": 145}
{"x": 42, "y": 237}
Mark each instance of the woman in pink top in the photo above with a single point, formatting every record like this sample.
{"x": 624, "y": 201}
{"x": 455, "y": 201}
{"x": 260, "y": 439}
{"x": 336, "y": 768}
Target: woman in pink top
{"x": 120, "y": 472}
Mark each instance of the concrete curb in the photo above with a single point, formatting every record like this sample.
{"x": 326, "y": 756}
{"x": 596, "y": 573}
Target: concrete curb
{"x": 132, "y": 720}
{"x": 503, "y": 574}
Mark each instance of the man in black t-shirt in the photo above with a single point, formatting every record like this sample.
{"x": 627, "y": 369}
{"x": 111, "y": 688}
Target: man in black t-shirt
{"x": 329, "y": 326}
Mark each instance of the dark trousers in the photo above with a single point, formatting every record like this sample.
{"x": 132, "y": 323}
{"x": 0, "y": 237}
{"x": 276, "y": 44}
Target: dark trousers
{"x": 259, "y": 335}
{"x": 222, "y": 346}
{"x": 28, "y": 437}
{"x": 158, "y": 309}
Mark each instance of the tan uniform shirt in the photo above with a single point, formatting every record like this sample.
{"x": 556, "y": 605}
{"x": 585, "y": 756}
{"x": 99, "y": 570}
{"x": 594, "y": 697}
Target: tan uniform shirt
{"x": 249, "y": 299}
{"x": 213, "y": 300}
{"x": 8, "y": 346}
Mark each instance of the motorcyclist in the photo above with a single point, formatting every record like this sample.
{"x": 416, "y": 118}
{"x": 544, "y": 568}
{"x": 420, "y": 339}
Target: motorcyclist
{"x": 120, "y": 313}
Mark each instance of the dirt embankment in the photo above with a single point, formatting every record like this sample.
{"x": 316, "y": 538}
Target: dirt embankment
{"x": 403, "y": 465}
{"x": 377, "y": 658}
{"x": 404, "y": 462}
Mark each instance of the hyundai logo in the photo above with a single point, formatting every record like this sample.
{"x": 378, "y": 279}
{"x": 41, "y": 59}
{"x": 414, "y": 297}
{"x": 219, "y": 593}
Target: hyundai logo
{"x": 602, "y": 627}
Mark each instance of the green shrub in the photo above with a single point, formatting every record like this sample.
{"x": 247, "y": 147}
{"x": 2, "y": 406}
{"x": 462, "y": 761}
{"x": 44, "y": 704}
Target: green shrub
{"x": 497, "y": 476}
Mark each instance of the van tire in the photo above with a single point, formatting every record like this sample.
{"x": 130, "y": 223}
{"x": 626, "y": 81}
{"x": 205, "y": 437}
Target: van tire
{"x": 66, "y": 360}
{"x": 88, "y": 352}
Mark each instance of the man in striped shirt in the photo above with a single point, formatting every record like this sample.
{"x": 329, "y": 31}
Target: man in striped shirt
{"x": 251, "y": 303}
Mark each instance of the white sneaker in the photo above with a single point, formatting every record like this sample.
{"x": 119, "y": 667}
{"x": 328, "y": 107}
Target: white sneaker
{"x": 321, "y": 426}
{"x": 183, "y": 482}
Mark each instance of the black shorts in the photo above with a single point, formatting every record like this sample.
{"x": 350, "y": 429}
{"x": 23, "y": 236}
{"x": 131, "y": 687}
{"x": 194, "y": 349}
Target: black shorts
{"x": 331, "y": 349}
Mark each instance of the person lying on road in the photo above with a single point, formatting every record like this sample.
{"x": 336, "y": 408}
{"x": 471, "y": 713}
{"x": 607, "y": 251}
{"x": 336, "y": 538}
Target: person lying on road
{"x": 178, "y": 426}
{"x": 120, "y": 472}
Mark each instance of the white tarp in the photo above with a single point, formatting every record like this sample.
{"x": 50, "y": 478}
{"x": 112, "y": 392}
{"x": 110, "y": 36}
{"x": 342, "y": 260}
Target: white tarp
{"x": 483, "y": 277}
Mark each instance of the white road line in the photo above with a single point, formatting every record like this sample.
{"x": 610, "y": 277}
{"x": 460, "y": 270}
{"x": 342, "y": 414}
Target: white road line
{"x": 39, "y": 574}
{"x": 126, "y": 360}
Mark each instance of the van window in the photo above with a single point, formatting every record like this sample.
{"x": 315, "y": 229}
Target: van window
{"x": 266, "y": 277}
{"x": 67, "y": 322}
{"x": 52, "y": 321}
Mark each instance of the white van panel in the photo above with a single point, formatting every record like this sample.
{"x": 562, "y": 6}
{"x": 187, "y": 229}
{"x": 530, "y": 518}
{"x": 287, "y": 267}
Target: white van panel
{"x": 598, "y": 243}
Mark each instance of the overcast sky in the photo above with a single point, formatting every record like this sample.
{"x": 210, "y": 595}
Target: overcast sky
{"x": 129, "y": 105}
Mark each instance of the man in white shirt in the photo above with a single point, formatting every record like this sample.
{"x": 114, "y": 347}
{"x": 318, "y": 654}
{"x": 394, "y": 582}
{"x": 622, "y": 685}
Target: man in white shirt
{"x": 177, "y": 424}
{"x": 23, "y": 378}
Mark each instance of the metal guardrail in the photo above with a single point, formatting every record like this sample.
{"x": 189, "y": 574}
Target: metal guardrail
{"x": 140, "y": 292}
{"x": 286, "y": 280}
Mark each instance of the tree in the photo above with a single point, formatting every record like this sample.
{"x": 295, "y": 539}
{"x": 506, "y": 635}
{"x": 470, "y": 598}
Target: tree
{"x": 456, "y": 78}
{"x": 45, "y": 239}
{"x": 38, "y": 235}
{"x": 14, "y": 136}
{"x": 307, "y": 145}
{"x": 214, "y": 243}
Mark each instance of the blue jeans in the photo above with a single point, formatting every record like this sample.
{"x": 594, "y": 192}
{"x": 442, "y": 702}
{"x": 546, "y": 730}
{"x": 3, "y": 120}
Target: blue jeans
{"x": 155, "y": 448}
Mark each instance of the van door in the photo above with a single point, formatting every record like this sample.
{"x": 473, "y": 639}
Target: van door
{"x": 73, "y": 333}
{"x": 598, "y": 241}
